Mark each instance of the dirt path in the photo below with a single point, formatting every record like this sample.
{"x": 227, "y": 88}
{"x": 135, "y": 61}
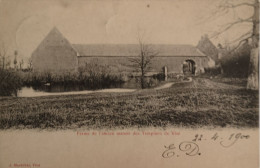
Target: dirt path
{"x": 207, "y": 83}
{"x": 167, "y": 85}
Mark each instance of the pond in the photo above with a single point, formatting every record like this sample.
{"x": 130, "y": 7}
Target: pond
{"x": 59, "y": 89}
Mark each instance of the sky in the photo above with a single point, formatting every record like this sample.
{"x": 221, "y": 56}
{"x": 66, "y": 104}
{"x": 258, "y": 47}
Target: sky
{"x": 24, "y": 23}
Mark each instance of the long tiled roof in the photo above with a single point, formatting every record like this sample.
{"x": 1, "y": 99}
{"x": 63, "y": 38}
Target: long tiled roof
{"x": 110, "y": 50}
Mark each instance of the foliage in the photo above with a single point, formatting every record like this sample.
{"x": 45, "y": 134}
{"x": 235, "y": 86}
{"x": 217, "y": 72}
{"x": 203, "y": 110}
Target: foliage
{"x": 148, "y": 82}
{"x": 213, "y": 70}
{"x": 10, "y": 82}
{"x": 236, "y": 63}
{"x": 91, "y": 75}
{"x": 98, "y": 76}
{"x": 225, "y": 8}
{"x": 4, "y": 58}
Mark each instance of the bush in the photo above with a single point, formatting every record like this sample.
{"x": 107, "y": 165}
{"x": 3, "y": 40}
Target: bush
{"x": 91, "y": 75}
{"x": 148, "y": 82}
{"x": 10, "y": 82}
{"x": 159, "y": 76}
{"x": 213, "y": 70}
{"x": 236, "y": 64}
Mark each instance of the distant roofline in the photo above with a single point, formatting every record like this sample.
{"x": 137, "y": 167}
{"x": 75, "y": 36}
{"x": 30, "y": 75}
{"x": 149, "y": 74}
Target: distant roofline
{"x": 80, "y": 53}
{"x": 199, "y": 53}
{"x": 133, "y": 44}
{"x": 138, "y": 56}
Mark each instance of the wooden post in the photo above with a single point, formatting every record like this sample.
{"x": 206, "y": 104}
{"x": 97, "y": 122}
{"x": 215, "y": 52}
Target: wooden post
{"x": 165, "y": 73}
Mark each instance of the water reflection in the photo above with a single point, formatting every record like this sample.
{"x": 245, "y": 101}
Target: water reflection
{"x": 56, "y": 89}
{"x": 131, "y": 84}
{"x": 30, "y": 92}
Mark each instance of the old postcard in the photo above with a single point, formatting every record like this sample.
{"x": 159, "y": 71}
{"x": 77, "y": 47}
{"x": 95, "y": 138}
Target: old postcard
{"x": 129, "y": 83}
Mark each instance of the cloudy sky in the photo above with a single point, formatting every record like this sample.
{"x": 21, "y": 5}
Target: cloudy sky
{"x": 24, "y": 23}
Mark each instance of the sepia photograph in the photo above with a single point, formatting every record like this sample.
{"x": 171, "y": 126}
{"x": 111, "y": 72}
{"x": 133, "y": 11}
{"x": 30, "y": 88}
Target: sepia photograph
{"x": 129, "y": 83}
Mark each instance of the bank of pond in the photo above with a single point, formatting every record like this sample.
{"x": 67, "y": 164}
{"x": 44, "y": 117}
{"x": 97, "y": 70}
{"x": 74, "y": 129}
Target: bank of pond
{"x": 32, "y": 84}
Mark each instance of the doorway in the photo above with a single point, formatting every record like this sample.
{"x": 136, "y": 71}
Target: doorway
{"x": 189, "y": 67}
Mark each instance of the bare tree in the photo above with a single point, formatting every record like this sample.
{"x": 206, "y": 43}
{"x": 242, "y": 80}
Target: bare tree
{"x": 30, "y": 64}
{"x": 21, "y": 64}
{"x": 15, "y": 59}
{"x": 227, "y": 6}
{"x": 4, "y": 59}
{"x": 142, "y": 62}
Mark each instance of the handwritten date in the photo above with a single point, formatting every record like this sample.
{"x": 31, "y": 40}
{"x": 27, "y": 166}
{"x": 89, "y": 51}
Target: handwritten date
{"x": 225, "y": 142}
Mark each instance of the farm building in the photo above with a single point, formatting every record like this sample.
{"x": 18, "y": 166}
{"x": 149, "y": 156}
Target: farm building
{"x": 56, "y": 53}
{"x": 208, "y": 48}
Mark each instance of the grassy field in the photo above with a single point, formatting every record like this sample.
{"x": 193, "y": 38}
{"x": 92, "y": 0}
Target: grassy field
{"x": 201, "y": 103}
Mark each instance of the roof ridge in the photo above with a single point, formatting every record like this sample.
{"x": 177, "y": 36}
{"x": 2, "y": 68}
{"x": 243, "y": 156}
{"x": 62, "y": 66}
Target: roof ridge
{"x": 133, "y": 44}
{"x": 54, "y": 30}
{"x": 113, "y": 49}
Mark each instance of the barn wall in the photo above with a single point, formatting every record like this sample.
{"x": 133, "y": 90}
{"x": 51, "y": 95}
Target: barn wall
{"x": 54, "y": 54}
{"x": 55, "y": 58}
{"x": 116, "y": 64}
{"x": 122, "y": 64}
{"x": 174, "y": 64}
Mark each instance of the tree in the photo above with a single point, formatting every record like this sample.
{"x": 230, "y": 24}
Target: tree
{"x": 30, "y": 64}
{"x": 4, "y": 60}
{"x": 21, "y": 64}
{"x": 15, "y": 59}
{"x": 10, "y": 81}
{"x": 236, "y": 63}
{"x": 224, "y": 8}
{"x": 142, "y": 62}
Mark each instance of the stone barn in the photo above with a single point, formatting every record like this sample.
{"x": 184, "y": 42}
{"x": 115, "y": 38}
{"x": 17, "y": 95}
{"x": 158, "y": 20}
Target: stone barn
{"x": 208, "y": 48}
{"x": 56, "y": 53}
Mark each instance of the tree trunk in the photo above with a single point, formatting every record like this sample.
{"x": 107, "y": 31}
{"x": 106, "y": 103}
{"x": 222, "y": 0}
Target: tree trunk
{"x": 142, "y": 82}
{"x": 3, "y": 62}
{"x": 142, "y": 78}
{"x": 252, "y": 81}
